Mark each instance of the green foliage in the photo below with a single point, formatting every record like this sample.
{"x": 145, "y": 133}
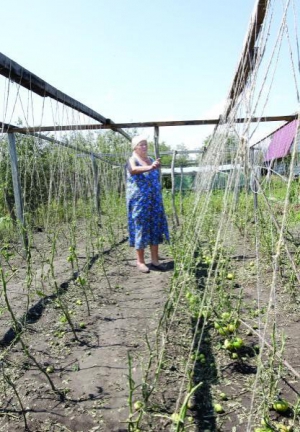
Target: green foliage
{"x": 6, "y": 228}
{"x": 34, "y": 172}
{"x": 58, "y": 183}
{"x": 166, "y": 160}
{"x": 227, "y": 141}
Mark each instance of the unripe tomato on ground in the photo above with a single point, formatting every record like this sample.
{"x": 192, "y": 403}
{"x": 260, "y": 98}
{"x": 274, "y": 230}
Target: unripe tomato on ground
{"x": 218, "y": 408}
{"x": 281, "y": 406}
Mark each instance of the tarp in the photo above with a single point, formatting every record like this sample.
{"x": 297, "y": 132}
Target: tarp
{"x": 219, "y": 181}
{"x": 281, "y": 141}
{"x": 199, "y": 169}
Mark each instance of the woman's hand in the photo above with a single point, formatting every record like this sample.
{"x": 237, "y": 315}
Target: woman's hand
{"x": 156, "y": 164}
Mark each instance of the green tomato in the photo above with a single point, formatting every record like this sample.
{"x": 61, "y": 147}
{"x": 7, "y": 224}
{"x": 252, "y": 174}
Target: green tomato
{"x": 226, "y": 316}
{"x": 216, "y": 325}
{"x": 228, "y": 345}
{"x": 231, "y": 328}
{"x": 238, "y": 343}
{"x": 281, "y": 405}
{"x": 218, "y": 408}
{"x": 138, "y": 405}
{"x": 223, "y": 396}
{"x": 223, "y": 331}
{"x": 175, "y": 418}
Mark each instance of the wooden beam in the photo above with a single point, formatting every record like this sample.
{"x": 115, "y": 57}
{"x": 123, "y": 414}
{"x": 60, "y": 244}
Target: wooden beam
{"x": 70, "y": 146}
{"x": 175, "y": 216}
{"x": 17, "y": 189}
{"x": 14, "y": 72}
{"x": 249, "y": 55}
{"x": 10, "y": 128}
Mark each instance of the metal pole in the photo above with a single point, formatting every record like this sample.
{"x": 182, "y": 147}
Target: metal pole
{"x": 156, "y": 142}
{"x": 253, "y": 180}
{"x": 180, "y": 188}
{"x": 173, "y": 188}
{"x": 96, "y": 186}
{"x": 17, "y": 187}
{"x": 156, "y": 148}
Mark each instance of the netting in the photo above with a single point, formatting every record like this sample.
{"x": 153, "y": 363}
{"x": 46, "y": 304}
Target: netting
{"x": 236, "y": 273}
{"x": 236, "y": 231}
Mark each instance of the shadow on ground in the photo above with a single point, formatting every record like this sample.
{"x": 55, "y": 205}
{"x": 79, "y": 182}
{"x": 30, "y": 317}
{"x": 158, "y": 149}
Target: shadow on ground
{"x": 36, "y": 311}
{"x": 205, "y": 370}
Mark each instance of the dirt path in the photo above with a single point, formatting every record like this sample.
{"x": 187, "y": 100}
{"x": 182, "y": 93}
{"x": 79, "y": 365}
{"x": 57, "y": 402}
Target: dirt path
{"x": 92, "y": 372}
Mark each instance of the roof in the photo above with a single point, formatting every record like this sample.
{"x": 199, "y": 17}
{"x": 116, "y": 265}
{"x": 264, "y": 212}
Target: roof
{"x": 281, "y": 141}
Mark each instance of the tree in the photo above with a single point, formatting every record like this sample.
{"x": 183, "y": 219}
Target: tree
{"x": 228, "y": 143}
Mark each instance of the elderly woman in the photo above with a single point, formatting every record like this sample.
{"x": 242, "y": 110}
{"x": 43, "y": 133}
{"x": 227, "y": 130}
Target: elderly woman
{"x": 147, "y": 223}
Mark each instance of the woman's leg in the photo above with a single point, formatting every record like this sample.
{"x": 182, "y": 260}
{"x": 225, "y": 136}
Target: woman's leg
{"x": 140, "y": 261}
{"x": 140, "y": 256}
{"x": 154, "y": 254}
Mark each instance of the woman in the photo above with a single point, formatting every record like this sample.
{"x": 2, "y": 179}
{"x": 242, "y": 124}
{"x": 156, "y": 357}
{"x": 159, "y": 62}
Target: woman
{"x": 147, "y": 223}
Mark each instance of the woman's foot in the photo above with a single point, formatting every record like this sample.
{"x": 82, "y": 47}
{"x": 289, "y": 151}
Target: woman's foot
{"x": 142, "y": 267}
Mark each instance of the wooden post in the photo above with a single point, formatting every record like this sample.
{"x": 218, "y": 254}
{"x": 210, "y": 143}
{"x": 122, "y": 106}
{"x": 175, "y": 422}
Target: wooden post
{"x": 253, "y": 180}
{"x": 173, "y": 188}
{"x": 17, "y": 187}
{"x": 156, "y": 142}
{"x": 156, "y": 148}
{"x": 96, "y": 187}
{"x": 236, "y": 190}
{"x": 180, "y": 189}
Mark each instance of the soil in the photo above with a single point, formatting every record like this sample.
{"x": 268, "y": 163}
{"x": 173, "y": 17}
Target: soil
{"x": 116, "y": 335}
{"x": 91, "y": 373}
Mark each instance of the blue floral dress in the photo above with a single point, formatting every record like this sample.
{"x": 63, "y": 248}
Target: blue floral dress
{"x": 147, "y": 223}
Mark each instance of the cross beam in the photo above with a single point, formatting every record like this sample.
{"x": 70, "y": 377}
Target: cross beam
{"x": 249, "y": 55}
{"x": 10, "y": 128}
{"x": 14, "y": 72}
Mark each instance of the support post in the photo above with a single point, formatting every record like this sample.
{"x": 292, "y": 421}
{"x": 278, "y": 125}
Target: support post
{"x": 156, "y": 142}
{"x": 253, "y": 180}
{"x": 173, "y": 188}
{"x": 96, "y": 187}
{"x": 17, "y": 187}
{"x": 156, "y": 148}
{"x": 180, "y": 190}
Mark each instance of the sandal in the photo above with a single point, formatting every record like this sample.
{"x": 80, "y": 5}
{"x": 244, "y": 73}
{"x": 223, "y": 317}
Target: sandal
{"x": 158, "y": 266}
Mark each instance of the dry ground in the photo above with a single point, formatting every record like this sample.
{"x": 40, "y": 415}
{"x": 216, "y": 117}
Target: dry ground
{"x": 91, "y": 373}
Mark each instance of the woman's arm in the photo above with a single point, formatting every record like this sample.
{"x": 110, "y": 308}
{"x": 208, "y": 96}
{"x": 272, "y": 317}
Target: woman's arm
{"x": 138, "y": 169}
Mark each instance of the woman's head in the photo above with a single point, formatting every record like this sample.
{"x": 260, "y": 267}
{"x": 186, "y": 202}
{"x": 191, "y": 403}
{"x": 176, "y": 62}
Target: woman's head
{"x": 139, "y": 144}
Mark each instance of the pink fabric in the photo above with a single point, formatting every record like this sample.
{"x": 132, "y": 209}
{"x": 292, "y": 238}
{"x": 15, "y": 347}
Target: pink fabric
{"x": 281, "y": 141}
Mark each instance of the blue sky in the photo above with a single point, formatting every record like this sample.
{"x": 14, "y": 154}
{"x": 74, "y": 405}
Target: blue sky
{"x": 134, "y": 60}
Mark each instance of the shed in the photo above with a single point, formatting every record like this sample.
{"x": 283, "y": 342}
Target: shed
{"x": 185, "y": 177}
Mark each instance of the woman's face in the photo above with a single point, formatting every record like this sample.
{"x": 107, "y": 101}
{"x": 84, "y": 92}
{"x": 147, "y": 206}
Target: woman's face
{"x": 142, "y": 148}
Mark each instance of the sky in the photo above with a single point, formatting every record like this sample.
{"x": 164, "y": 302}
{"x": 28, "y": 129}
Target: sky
{"x": 134, "y": 60}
